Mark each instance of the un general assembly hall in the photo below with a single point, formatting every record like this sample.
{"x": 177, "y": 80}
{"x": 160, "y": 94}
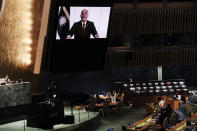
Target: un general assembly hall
{"x": 98, "y": 65}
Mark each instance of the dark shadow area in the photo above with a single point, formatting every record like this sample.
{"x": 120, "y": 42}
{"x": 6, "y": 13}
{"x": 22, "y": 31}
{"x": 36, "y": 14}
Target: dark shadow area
{"x": 76, "y": 55}
{"x": 134, "y": 73}
{"x": 79, "y": 82}
{"x": 187, "y": 72}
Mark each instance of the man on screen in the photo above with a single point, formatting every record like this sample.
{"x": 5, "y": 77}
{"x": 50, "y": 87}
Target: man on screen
{"x": 83, "y": 28}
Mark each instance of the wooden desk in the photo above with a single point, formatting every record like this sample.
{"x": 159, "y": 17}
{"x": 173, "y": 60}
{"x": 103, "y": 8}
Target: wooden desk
{"x": 78, "y": 107}
{"x": 179, "y": 126}
{"x": 110, "y": 104}
{"x": 194, "y": 117}
{"x": 86, "y": 106}
{"x": 173, "y": 103}
{"x": 97, "y": 105}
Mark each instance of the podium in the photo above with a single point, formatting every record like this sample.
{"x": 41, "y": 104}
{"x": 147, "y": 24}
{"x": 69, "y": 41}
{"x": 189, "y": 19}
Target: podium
{"x": 45, "y": 115}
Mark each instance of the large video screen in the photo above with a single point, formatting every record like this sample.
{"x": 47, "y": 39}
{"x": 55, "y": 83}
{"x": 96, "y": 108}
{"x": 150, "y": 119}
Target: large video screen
{"x": 82, "y": 22}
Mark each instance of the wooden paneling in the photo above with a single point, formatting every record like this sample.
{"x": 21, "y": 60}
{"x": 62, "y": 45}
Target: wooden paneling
{"x": 42, "y": 34}
{"x": 185, "y": 4}
{"x": 150, "y": 57}
{"x": 130, "y": 21}
{"x": 150, "y": 5}
{"x": 123, "y": 5}
{"x": 11, "y": 40}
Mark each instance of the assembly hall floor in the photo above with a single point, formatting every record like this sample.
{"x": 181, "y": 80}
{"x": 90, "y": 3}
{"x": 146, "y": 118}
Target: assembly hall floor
{"x": 95, "y": 122}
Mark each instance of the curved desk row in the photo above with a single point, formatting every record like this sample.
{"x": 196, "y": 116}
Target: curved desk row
{"x": 147, "y": 123}
{"x": 142, "y": 124}
{"x": 97, "y": 105}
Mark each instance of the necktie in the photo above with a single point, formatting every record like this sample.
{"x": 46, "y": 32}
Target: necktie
{"x": 83, "y": 26}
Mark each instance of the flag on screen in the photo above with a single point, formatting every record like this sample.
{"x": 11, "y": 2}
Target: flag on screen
{"x": 63, "y": 24}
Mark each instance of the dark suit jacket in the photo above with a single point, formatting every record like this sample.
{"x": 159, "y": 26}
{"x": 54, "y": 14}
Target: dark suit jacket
{"x": 80, "y": 33}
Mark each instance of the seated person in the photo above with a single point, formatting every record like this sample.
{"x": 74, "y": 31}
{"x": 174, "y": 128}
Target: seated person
{"x": 51, "y": 94}
{"x": 91, "y": 106}
{"x": 5, "y": 80}
{"x": 98, "y": 99}
{"x": 168, "y": 109}
{"x": 122, "y": 97}
{"x": 180, "y": 114}
{"x": 175, "y": 97}
{"x": 179, "y": 97}
{"x": 117, "y": 95}
{"x": 165, "y": 112}
{"x": 160, "y": 102}
{"x": 164, "y": 118}
{"x": 183, "y": 107}
{"x": 165, "y": 123}
{"x": 158, "y": 99}
{"x": 108, "y": 97}
{"x": 108, "y": 94}
{"x": 171, "y": 120}
{"x": 92, "y": 98}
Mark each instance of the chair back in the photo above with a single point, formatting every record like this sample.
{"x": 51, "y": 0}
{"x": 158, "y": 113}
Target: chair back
{"x": 106, "y": 107}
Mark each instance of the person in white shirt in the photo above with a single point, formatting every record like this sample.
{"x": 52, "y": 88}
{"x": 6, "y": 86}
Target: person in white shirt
{"x": 6, "y": 79}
